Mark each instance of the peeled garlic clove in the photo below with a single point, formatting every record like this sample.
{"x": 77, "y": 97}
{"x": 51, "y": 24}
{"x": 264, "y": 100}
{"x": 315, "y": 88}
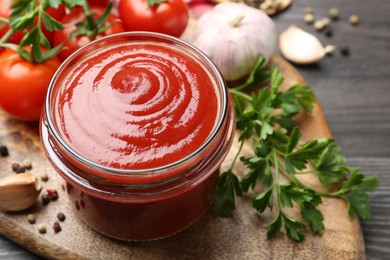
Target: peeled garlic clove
{"x": 18, "y": 192}
{"x": 300, "y": 47}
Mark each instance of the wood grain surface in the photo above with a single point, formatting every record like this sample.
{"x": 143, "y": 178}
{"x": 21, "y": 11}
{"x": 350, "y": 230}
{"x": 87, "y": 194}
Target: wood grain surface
{"x": 355, "y": 95}
{"x": 233, "y": 237}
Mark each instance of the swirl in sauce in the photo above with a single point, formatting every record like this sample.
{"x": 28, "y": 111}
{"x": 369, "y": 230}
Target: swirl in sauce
{"x": 136, "y": 106}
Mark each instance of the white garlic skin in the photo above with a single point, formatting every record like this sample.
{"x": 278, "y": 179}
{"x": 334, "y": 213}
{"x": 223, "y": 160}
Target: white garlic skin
{"x": 233, "y": 35}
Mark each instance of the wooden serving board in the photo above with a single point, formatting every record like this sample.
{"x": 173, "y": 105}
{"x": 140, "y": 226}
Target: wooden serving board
{"x": 239, "y": 236}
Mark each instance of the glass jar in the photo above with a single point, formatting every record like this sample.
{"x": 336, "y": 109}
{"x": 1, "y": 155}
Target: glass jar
{"x": 139, "y": 204}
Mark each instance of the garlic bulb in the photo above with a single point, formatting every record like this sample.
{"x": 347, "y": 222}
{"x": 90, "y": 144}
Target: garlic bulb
{"x": 233, "y": 35}
{"x": 18, "y": 192}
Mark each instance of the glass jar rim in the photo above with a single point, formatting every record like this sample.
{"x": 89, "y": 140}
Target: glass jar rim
{"x": 152, "y": 37}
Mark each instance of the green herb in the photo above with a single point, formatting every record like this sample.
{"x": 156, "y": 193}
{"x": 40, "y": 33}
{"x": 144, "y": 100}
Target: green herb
{"x": 30, "y": 16}
{"x": 266, "y": 119}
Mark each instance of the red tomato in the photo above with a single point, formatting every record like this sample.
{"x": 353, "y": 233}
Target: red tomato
{"x": 169, "y": 17}
{"x": 99, "y": 2}
{"x": 24, "y": 84}
{"x": 75, "y": 16}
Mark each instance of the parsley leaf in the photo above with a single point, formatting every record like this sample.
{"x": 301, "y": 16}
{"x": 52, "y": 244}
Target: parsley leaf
{"x": 265, "y": 117}
{"x": 227, "y": 188}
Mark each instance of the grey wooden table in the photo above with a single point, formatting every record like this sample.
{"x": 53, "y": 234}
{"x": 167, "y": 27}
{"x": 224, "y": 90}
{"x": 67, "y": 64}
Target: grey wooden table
{"x": 355, "y": 94}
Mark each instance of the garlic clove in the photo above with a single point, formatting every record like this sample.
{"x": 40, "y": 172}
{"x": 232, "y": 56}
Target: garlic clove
{"x": 18, "y": 192}
{"x": 300, "y": 47}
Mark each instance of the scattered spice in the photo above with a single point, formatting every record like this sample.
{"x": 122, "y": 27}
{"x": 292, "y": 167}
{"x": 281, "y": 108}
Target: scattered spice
{"x": 63, "y": 186}
{"x": 27, "y": 164}
{"x": 354, "y": 19}
{"x": 31, "y": 218}
{"x": 308, "y": 18}
{"x": 334, "y": 13}
{"x": 44, "y": 176}
{"x": 14, "y": 166}
{"x": 61, "y": 216}
{"x": 57, "y": 227}
{"x": 41, "y": 228}
{"x": 3, "y": 151}
{"x": 344, "y": 49}
{"x": 45, "y": 199}
{"x": 20, "y": 169}
{"x": 328, "y": 31}
{"x": 309, "y": 10}
{"x": 52, "y": 193}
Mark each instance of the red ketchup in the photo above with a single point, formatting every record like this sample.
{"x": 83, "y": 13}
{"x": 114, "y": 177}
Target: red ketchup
{"x": 138, "y": 125}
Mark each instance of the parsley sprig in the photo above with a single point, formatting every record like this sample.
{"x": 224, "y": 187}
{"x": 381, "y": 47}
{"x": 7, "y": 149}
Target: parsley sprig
{"x": 265, "y": 118}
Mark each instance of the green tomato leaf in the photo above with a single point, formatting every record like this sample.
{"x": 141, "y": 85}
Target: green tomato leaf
{"x": 54, "y": 3}
{"x": 50, "y": 23}
{"x": 154, "y": 2}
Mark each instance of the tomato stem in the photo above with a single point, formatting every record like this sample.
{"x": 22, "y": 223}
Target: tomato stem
{"x": 6, "y": 36}
{"x": 154, "y": 2}
{"x": 89, "y": 16}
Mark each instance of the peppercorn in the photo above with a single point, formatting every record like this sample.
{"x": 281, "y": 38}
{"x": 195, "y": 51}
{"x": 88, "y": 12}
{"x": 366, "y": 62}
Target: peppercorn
{"x": 354, "y": 19}
{"x": 328, "y": 31}
{"x": 334, "y": 13}
{"x": 309, "y": 10}
{"x": 344, "y": 49}
{"x": 27, "y": 164}
{"x": 41, "y": 228}
{"x": 14, "y": 166}
{"x": 3, "y": 151}
{"x": 57, "y": 227}
{"x": 20, "y": 169}
{"x": 52, "y": 193}
{"x": 61, "y": 216}
{"x": 44, "y": 176}
{"x": 308, "y": 18}
{"x": 31, "y": 218}
{"x": 45, "y": 199}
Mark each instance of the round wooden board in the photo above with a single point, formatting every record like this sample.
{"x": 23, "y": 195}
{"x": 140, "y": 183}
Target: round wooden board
{"x": 239, "y": 236}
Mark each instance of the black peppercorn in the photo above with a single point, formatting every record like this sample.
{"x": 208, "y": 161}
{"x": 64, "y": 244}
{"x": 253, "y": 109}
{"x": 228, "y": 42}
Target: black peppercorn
{"x": 61, "y": 216}
{"x": 3, "y": 151}
{"x": 20, "y": 169}
{"x": 45, "y": 199}
{"x": 328, "y": 31}
{"x": 344, "y": 49}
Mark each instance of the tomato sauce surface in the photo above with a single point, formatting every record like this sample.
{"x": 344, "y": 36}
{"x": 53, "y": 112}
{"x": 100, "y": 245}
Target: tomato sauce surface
{"x": 137, "y": 106}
